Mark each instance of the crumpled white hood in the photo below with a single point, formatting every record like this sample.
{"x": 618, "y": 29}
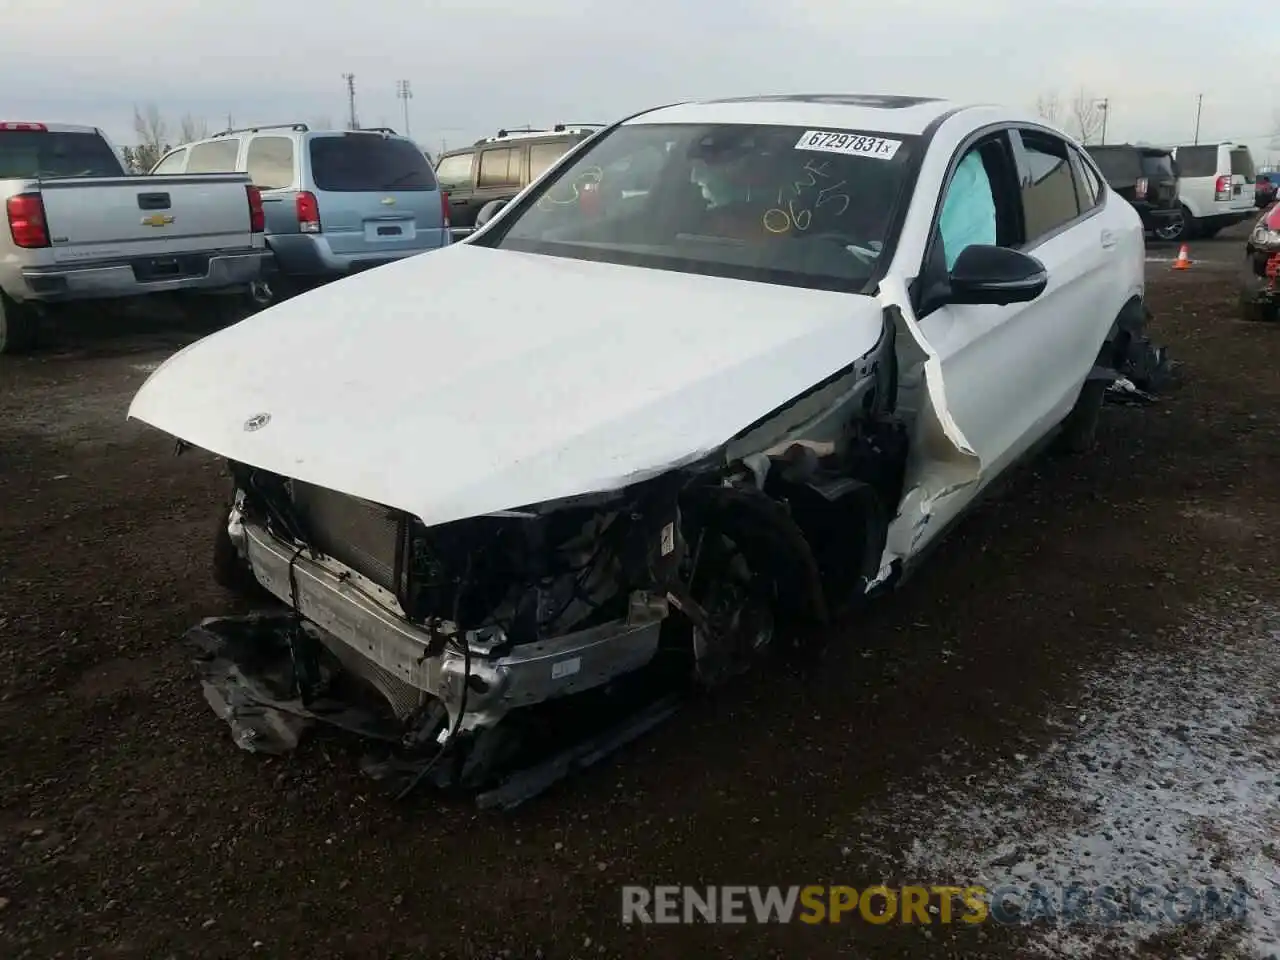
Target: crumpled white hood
{"x": 469, "y": 380}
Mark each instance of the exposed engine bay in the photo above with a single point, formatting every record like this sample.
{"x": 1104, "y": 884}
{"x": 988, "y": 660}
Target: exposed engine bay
{"x": 460, "y": 631}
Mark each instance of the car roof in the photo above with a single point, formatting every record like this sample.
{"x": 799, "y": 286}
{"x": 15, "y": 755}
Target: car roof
{"x": 906, "y": 115}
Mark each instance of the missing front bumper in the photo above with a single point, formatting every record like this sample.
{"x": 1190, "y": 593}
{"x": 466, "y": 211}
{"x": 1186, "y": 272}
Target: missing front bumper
{"x": 357, "y": 622}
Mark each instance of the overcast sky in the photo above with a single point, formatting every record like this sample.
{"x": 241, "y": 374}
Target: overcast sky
{"x": 476, "y": 65}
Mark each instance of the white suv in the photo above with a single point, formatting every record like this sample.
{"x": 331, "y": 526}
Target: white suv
{"x": 1215, "y": 189}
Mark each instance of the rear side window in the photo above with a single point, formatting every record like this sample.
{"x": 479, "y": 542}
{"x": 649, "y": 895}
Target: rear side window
{"x": 455, "y": 171}
{"x": 215, "y": 156}
{"x": 1242, "y": 163}
{"x": 31, "y": 153}
{"x": 1198, "y": 161}
{"x": 172, "y": 163}
{"x": 543, "y": 155}
{"x": 499, "y": 168}
{"x": 1049, "y": 195}
{"x": 368, "y": 163}
{"x": 270, "y": 162}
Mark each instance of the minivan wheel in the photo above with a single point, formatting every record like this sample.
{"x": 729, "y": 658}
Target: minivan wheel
{"x": 19, "y": 326}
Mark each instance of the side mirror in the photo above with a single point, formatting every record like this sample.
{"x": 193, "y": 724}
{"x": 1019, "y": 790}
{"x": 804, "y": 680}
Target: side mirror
{"x": 488, "y": 212}
{"x": 996, "y": 276}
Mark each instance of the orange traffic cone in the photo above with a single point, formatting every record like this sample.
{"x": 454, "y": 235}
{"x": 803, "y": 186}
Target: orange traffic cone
{"x": 1184, "y": 260}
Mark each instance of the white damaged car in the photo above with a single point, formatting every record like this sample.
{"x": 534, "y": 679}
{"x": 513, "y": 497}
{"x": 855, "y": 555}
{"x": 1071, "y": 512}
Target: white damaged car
{"x": 725, "y": 362}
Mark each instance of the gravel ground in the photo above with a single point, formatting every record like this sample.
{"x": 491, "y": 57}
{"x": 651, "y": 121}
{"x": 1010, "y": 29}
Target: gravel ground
{"x": 1107, "y": 624}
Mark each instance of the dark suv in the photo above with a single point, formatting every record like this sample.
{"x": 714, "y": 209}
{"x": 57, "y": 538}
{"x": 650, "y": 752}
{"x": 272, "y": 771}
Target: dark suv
{"x": 1148, "y": 178}
{"x": 498, "y": 168}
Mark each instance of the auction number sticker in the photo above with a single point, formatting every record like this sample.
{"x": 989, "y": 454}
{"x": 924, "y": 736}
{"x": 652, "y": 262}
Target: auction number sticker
{"x": 850, "y": 144}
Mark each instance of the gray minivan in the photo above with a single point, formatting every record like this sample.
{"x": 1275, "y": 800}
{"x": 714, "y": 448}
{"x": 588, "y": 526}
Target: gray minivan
{"x": 336, "y": 202}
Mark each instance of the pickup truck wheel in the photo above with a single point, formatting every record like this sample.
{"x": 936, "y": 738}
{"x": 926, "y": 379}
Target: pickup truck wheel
{"x": 1080, "y": 429}
{"x": 19, "y": 326}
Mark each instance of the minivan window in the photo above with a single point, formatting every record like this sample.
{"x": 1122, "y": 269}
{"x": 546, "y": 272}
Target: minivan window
{"x": 787, "y": 205}
{"x": 499, "y": 168}
{"x": 269, "y": 162}
{"x": 368, "y": 163}
{"x": 214, "y": 156}
{"x": 31, "y": 153}
{"x": 455, "y": 171}
{"x": 172, "y": 163}
{"x": 1198, "y": 161}
{"x": 1242, "y": 163}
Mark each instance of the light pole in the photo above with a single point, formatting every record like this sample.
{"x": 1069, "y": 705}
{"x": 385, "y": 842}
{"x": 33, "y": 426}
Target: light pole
{"x": 1105, "y": 105}
{"x": 405, "y": 95}
{"x": 352, "y": 122}
{"x": 1199, "y": 104}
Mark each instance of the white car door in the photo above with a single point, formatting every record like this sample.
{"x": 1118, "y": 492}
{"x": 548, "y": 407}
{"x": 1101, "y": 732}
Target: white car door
{"x": 1013, "y": 372}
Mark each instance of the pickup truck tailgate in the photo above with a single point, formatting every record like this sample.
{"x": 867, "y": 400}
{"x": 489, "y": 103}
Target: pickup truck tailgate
{"x": 109, "y": 218}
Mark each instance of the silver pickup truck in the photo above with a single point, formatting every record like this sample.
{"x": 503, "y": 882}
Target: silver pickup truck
{"x": 80, "y": 228}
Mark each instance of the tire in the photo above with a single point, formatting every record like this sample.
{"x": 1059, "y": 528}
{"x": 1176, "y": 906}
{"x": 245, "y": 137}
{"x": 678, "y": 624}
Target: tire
{"x": 1179, "y": 231}
{"x": 19, "y": 326}
{"x": 1080, "y": 429}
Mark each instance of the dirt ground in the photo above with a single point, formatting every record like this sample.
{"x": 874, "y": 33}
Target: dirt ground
{"x": 130, "y": 826}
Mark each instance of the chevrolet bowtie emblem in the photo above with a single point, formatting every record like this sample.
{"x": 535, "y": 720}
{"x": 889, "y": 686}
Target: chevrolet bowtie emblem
{"x": 157, "y": 220}
{"x": 388, "y": 201}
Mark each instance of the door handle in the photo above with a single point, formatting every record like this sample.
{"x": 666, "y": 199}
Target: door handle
{"x": 1108, "y": 239}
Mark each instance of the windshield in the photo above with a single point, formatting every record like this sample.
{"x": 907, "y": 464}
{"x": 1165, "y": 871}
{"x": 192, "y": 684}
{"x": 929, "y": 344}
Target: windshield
{"x": 365, "y": 162}
{"x": 777, "y": 204}
{"x": 32, "y": 153}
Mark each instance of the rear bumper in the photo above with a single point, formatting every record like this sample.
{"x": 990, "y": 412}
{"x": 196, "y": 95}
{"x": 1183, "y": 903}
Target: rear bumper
{"x": 312, "y": 255}
{"x": 114, "y": 279}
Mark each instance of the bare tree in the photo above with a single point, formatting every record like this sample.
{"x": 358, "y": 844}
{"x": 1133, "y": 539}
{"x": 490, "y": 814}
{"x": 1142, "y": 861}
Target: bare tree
{"x": 1049, "y": 107}
{"x": 153, "y": 136}
{"x": 190, "y": 129}
{"x": 1086, "y": 116}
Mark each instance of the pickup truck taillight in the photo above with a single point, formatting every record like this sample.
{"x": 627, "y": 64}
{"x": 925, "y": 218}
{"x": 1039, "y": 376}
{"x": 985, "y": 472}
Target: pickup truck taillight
{"x": 308, "y": 212}
{"x": 444, "y": 209}
{"x": 1140, "y": 188}
{"x": 1222, "y": 188}
{"x": 26, "y": 221}
{"x": 27, "y": 127}
{"x": 257, "y": 216}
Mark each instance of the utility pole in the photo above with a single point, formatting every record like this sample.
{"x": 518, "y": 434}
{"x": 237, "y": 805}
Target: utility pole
{"x": 405, "y": 95}
{"x": 1199, "y": 103}
{"x": 352, "y": 122}
{"x": 1105, "y": 104}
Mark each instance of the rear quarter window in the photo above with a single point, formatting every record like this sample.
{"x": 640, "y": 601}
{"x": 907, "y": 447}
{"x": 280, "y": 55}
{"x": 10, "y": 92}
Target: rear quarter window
{"x": 1198, "y": 161}
{"x": 368, "y": 163}
{"x": 216, "y": 156}
{"x": 455, "y": 171}
{"x": 1118, "y": 166}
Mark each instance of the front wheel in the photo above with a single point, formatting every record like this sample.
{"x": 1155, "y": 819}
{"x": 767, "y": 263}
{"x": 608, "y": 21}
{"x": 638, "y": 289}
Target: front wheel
{"x": 1080, "y": 430}
{"x": 739, "y": 604}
